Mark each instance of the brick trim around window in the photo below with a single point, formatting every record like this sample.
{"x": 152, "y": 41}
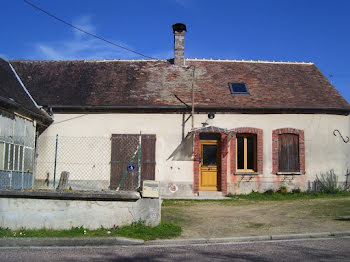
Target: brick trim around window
{"x": 196, "y": 162}
{"x": 280, "y": 131}
{"x": 260, "y": 146}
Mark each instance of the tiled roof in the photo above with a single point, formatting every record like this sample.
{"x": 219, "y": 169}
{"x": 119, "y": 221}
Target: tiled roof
{"x": 155, "y": 82}
{"x": 13, "y": 95}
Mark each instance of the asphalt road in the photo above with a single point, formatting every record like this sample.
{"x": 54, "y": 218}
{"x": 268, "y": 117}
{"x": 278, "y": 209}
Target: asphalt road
{"x": 332, "y": 249}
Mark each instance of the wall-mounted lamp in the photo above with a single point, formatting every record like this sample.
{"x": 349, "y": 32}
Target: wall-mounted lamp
{"x": 211, "y": 115}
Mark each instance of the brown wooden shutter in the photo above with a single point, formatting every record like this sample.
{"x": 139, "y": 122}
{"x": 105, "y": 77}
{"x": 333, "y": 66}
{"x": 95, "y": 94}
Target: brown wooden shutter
{"x": 148, "y": 149}
{"x": 288, "y": 153}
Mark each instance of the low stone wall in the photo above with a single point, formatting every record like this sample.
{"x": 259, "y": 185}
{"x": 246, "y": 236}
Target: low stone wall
{"x": 18, "y": 212}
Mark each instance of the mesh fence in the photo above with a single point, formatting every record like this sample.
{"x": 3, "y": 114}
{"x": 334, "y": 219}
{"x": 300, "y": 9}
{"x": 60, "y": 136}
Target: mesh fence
{"x": 88, "y": 163}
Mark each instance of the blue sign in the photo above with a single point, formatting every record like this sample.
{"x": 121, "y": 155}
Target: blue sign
{"x": 131, "y": 167}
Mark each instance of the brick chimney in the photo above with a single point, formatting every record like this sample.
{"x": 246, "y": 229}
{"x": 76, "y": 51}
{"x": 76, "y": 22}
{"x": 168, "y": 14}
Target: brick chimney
{"x": 179, "y": 44}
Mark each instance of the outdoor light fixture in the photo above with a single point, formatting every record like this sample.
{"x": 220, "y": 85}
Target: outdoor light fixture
{"x": 211, "y": 115}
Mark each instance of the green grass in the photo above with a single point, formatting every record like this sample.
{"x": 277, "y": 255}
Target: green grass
{"x": 290, "y": 196}
{"x": 136, "y": 230}
{"x": 334, "y": 210}
{"x": 255, "y": 196}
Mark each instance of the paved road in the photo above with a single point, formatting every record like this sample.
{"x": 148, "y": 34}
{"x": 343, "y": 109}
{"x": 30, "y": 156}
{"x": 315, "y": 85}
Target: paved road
{"x": 337, "y": 249}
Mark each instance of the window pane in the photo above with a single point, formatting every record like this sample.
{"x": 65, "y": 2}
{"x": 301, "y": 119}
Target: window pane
{"x": 11, "y": 157}
{"x": 15, "y": 162}
{"x": 20, "y": 164}
{"x": 209, "y": 155}
{"x": 28, "y": 160}
{"x": 6, "y": 159}
{"x": 2, "y": 155}
{"x": 250, "y": 152}
{"x": 240, "y": 153}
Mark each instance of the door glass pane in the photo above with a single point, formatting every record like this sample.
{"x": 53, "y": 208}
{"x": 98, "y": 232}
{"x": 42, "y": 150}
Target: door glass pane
{"x": 209, "y": 155}
{"x": 250, "y": 152}
{"x": 240, "y": 153}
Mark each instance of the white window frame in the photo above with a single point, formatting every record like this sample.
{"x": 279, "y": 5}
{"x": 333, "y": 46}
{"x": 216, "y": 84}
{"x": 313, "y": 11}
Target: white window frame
{"x": 14, "y": 163}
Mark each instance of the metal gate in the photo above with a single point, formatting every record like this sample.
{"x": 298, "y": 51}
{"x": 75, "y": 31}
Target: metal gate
{"x": 132, "y": 161}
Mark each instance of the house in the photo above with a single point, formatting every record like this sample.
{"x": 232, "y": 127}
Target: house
{"x": 225, "y": 126}
{"x": 20, "y": 120}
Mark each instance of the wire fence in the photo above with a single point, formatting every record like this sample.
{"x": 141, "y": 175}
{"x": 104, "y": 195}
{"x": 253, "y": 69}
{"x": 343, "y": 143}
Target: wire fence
{"x": 89, "y": 163}
{"x": 119, "y": 162}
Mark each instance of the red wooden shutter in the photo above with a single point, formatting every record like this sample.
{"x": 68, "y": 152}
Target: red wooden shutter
{"x": 288, "y": 153}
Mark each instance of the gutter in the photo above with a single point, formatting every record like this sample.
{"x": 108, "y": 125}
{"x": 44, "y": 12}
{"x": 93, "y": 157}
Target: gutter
{"x": 181, "y": 108}
{"x": 19, "y": 107}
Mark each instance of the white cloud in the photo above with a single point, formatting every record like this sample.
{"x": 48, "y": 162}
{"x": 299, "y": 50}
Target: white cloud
{"x": 81, "y": 46}
{"x": 84, "y": 23}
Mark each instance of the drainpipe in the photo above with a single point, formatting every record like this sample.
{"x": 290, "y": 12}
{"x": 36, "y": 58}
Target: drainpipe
{"x": 192, "y": 110}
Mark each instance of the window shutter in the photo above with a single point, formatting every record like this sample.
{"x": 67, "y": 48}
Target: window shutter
{"x": 288, "y": 153}
{"x": 148, "y": 149}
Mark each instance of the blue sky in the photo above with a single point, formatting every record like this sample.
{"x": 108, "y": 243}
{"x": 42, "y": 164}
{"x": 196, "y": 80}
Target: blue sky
{"x": 284, "y": 30}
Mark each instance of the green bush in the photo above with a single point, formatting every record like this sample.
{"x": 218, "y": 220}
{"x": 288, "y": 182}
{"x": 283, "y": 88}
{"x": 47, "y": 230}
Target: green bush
{"x": 296, "y": 191}
{"x": 327, "y": 183}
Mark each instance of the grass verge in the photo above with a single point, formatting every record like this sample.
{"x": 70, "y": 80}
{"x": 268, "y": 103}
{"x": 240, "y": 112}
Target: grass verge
{"x": 256, "y": 196}
{"x": 136, "y": 230}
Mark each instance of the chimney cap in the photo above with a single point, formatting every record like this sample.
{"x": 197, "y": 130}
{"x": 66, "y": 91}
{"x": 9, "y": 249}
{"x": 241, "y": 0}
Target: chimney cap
{"x": 179, "y": 27}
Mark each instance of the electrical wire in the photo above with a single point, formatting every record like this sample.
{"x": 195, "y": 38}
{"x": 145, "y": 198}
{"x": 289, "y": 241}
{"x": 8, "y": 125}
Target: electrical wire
{"x": 86, "y": 32}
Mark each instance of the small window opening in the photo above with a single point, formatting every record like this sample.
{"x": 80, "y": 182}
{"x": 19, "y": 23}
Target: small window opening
{"x": 238, "y": 88}
{"x": 209, "y": 136}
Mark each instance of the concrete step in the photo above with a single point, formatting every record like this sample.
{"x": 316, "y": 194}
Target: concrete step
{"x": 210, "y": 194}
{"x": 202, "y": 195}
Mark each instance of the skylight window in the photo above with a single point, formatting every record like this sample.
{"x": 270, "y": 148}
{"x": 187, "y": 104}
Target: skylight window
{"x": 238, "y": 88}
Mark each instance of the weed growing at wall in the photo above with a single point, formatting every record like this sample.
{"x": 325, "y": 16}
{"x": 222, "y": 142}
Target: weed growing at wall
{"x": 136, "y": 230}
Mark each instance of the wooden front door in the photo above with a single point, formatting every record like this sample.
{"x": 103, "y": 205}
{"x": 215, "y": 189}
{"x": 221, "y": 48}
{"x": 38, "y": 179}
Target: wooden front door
{"x": 209, "y": 168}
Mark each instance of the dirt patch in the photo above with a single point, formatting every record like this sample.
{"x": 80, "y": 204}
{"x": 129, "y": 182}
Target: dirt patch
{"x": 223, "y": 219}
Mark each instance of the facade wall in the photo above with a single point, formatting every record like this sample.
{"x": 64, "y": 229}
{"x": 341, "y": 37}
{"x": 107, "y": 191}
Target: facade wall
{"x": 323, "y": 150}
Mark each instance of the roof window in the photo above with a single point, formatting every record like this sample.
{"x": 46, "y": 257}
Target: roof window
{"x": 238, "y": 88}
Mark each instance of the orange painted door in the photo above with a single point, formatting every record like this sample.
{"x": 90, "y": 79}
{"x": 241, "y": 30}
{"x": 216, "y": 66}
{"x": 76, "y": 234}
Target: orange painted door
{"x": 210, "y": 165}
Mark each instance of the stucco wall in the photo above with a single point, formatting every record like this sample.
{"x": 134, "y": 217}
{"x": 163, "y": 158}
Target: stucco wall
{"x": 17, "y": 213}
{"x": 323, "y": 150}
